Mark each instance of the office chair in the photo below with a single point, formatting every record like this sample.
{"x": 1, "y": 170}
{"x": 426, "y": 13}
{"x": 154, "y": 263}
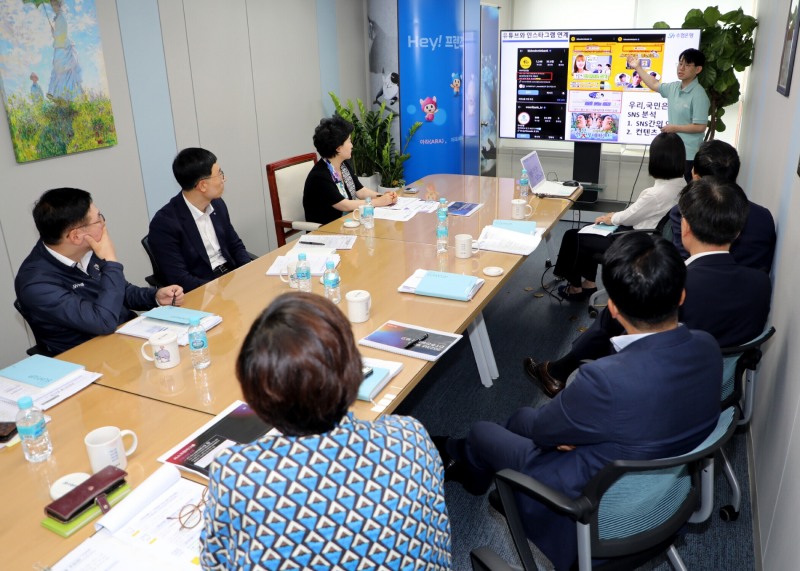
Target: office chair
{"x": 156, "y": 279}
{"x": 286, "y": 179}
{"x": 738, "y": 388}
{"x": 39, "y": 348}
{"x": 599, "y": 299}
{"x": 629, "y": 512}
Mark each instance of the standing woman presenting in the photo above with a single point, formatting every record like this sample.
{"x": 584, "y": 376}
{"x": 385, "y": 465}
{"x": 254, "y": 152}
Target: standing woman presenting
{"x": 332, "y": 187}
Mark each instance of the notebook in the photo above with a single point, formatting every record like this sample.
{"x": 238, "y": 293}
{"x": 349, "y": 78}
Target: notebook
{"x": 538, "y": 181}
{"x": 446, "y": 285}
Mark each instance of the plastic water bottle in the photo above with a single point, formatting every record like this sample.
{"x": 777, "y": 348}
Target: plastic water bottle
{"x": 331, "y": 280}
{"x": 303, "y": 272}
{"x": 32, "y": 430}
{"x": 524, "y": 185}
{"x": 368, "y": 214}
{"x": 441, "y": 233}
{"x": 443, "y": 209}
{"x": 198, "y": 344}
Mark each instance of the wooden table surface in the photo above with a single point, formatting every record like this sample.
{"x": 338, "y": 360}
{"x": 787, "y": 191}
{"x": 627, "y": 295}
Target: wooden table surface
{"x": 495, "y": 194}
{"x": 25, "y": 490}
{"x": 376, "y": 265}
{"x": 165, "y": 406}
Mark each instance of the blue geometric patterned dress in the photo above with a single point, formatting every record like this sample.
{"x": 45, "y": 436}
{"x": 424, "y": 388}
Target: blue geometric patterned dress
{"x": 366, "y": 495}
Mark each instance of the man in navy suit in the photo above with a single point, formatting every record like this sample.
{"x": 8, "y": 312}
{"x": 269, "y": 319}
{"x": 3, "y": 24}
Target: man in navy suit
{"x": 755, "y": 245}
{"x": 728, "y": 300}
{"x": 657, "y": 396}
{"x": 192, "y": 237}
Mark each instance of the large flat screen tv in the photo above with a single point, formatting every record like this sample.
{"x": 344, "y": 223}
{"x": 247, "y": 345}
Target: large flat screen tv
{"x": 575, "y": 85}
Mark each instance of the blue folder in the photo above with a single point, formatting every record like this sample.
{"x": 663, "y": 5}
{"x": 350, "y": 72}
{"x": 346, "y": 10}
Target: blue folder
{"x": 39, "y": 370}
{"x": 460, "y": 287}
{"x": 373, "y": 384}
{"x": 523, "y": 226}
{"x": 174, "y": 314}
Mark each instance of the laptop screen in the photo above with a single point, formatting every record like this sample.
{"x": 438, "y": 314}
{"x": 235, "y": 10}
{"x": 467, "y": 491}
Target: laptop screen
{"x": 530, "y": 163}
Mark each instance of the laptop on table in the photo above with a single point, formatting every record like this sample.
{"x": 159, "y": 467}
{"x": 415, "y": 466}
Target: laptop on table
{"x": 537, "y": 180}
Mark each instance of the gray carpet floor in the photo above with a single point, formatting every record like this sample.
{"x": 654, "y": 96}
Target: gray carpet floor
{"x": 521, "y": 323}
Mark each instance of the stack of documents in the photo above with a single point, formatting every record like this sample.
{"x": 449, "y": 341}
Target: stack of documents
{"x": 168, "y": 318}
{"x": 382, "y": 373}
{"x": 460, "y": 287}
{"x": 46, "y": 380}
{"x": 509, "y": 241}
{"x": 599, "y": 229}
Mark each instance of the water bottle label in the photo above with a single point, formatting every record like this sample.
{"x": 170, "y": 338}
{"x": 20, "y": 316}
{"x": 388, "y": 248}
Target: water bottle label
{"x": 332, "y": 281}
{"x": 303, "y": 273}
{"x": 32, "y": 431}
{"x": 198, "y": 341}
{"x": 369, "y": 211}
{"x": 441, "y": 232}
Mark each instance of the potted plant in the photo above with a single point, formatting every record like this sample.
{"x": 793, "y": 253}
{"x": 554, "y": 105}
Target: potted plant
{"x": 727, "y": 42}
{"x": 374, "y": 150}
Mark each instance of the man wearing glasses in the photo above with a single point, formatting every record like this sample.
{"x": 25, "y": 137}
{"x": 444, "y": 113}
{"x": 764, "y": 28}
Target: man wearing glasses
{"x": 687, "y": 102}
{"x": 71, "y": 287}
{"x": 192, "y": 237}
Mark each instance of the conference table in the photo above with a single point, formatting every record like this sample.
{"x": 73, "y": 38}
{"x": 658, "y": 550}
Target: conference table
{"x": 163, "y": 406}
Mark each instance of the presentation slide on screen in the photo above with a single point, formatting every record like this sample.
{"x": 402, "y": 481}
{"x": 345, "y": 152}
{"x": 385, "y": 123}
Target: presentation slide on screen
{"x": 575, "y": 85}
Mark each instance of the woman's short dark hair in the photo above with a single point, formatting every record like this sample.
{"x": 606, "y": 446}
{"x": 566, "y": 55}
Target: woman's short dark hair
{"x": 299, "y": 367}
{"x": 330, "y": 134}
{"x": 667, "y": 156}
{"x": 59, "y": 210}
{"x": 644, "y": 276}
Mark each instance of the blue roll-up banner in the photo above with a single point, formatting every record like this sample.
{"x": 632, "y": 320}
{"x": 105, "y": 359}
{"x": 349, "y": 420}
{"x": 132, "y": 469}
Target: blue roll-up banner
{"x": 431, "y": 52}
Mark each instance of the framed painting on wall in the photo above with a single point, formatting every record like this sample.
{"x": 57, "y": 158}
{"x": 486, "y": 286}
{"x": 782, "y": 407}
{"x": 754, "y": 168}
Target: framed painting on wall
{"x": 789, "y": 48}
{"x": 53, "y": 78}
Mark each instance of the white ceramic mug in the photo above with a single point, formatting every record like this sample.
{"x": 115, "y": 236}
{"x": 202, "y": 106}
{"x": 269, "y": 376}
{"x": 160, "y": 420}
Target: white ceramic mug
{"x": 289, "y": 274}
{"x": 465, "y": 246}
{"x": 164, "y": 345}
{"x": 356, "y": 214}
{"x": 105, "y": 448}
{"x": 520, "y": 209}
{"x": 359, "y": 303}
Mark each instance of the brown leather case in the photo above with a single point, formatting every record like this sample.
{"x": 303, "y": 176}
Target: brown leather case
{"x": 93, "y": 490}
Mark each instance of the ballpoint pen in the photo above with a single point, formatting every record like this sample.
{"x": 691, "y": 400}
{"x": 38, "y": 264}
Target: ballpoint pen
{"x": 410, "y": 344}
{"x": 174, "y": 296}
{"x": 312, "y": 243}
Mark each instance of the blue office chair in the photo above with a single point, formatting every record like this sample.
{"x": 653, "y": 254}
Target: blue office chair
{"x": 629, "y": 512}
{"x": 738, "y": 388}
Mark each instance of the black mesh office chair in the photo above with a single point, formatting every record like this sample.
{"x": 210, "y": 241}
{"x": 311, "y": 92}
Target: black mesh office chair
{"x": 156, "y": 279}
{"x": 39, "y": 348}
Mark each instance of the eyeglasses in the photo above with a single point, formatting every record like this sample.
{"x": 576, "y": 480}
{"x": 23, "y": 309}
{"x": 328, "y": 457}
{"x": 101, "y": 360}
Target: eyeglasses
{"x": 101, "y": 220}
{"x": 684, "y": 65}
{"x": 190, "y": 515}
{"x": 220, "y": 173}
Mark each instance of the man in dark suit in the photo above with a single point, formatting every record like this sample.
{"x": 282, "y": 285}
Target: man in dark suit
{"x": 755, "y": 245}
{"x": 192, "y": 237}
{"x": 728, "y": 300}
{"x": 71, "y": 287}
{"x": 657, "y": 396}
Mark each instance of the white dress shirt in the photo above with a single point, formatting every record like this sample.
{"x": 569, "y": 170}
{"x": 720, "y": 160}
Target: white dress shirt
{"x": 207, "y": 233}
{"x": 651, "y": 206}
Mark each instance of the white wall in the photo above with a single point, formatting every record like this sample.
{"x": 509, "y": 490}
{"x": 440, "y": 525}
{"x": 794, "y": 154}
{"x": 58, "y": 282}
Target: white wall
{"x": 770, "y": 149}
{"x": 244, "y": 82}
{"x": 112, "y": 175}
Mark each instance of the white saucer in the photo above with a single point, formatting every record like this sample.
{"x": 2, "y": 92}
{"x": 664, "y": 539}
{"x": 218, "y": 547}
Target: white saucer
{"x": 67, "y": 483}
{"x": 493, "y": 271}
{"x": 351, "y": 223}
